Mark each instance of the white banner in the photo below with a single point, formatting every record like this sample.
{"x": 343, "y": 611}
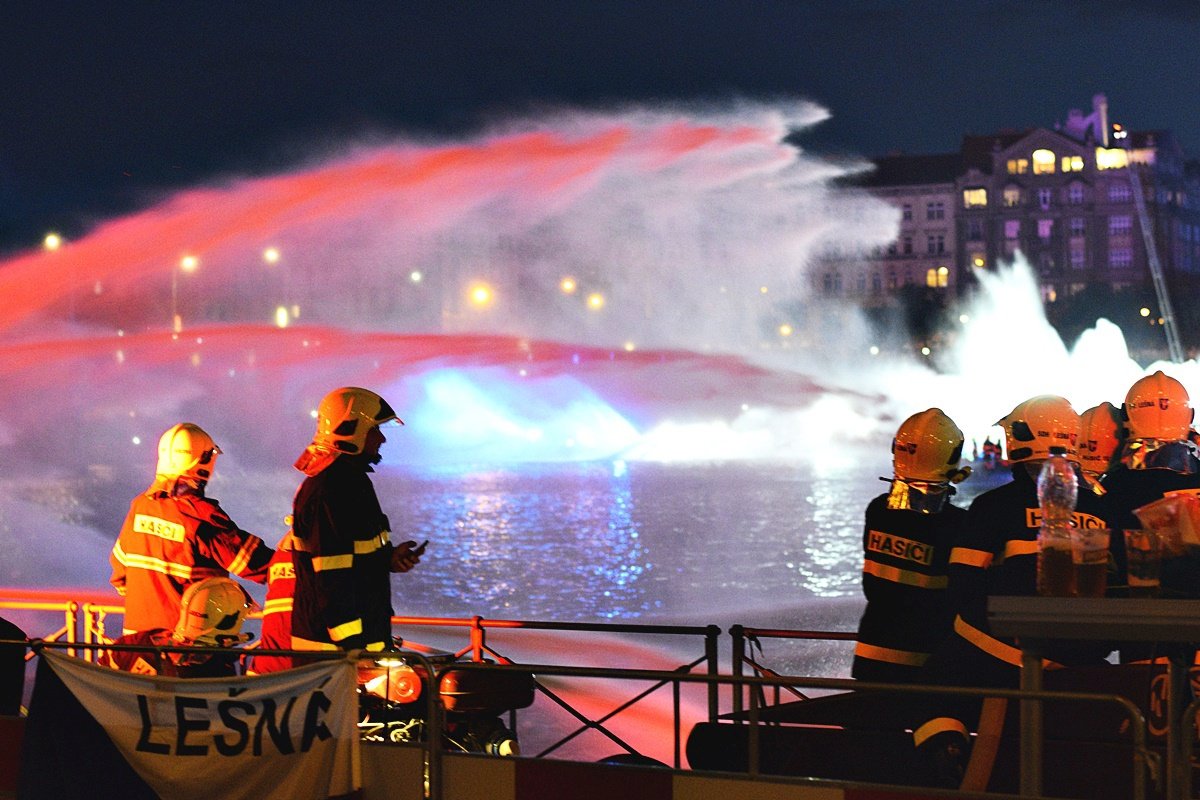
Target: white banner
{"x": 289, "y": 734}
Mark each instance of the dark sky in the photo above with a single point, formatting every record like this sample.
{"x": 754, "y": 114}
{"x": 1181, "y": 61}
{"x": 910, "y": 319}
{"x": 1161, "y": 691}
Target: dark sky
{"x": 106, "y": 103}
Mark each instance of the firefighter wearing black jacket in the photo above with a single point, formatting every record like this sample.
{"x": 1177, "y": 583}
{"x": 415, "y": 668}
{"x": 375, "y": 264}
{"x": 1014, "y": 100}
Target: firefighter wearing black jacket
{"x": 1158, "y": 459}
{"x": 906, "y": 547}
{"x": 997, "y": 555}
{"x": 342, "y": 540}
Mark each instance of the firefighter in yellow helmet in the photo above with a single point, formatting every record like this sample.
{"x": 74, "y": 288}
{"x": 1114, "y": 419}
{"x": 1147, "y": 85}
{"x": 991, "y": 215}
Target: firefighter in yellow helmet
{"x": 907, "y": 538}
{"x": 342, "y": 549}
{"x": 211, "y": 615}
{"x": 1101, "y": 437}
{"x": 1159, "y": 459}
{"x": 996, "y": 554}
{"x": 174, "y": 535}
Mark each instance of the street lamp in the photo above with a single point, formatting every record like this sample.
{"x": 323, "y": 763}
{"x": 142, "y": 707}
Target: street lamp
{"x": 189, "y": 264}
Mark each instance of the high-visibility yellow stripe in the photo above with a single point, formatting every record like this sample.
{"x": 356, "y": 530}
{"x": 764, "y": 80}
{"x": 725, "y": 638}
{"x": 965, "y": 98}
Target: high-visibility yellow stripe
{"x": 375, "y": 647}
{"x": 971, "y": 558}
{"x": 242, "y": 559}
{"x": 151, "y": 564}
{"x": 278, "y": 605}
{"x": 994, "y": 647}
{"x": 325, "y": 563}
{"x": 352, "y": 628}
{"x": 376, "y": 542}
{"x": 904, "y": 576}
{"x": 1020, "y": 547}
{"x": 938, "y": 725}
{"x": 890, "y": 654}
{"x": 308, "y": 644}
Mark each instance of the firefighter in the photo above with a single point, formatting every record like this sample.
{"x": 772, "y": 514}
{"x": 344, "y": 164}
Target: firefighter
{"x": 1158, "y": 458}
{"x": 1102, "y": 435}
{"x": 996, "y": 554}
{"x": 277, "y": 610}
{"x": 211, "y": 615}
{"x": 174, "y": 535}
{"x": 343, "y": 552}
{"x": 906, "y": 548}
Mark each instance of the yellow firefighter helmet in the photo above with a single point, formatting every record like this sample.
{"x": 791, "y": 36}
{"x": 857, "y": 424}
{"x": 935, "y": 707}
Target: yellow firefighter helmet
{"x": 1158, "y": 407}
{"x": 1100, "y": 435}
{"x": 186, "y": 451}
{"x": 927, "y": 447}
{"x": 1039, "y": 424}
{"x": 346, "y": 415}
{"x": 211, "y": 613}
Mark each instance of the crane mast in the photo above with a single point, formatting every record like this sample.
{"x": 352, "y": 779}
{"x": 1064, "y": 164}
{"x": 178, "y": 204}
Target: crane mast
{"x": 1174, "y": 346}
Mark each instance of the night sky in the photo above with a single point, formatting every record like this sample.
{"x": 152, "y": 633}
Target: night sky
{"x": 106, "y": 105}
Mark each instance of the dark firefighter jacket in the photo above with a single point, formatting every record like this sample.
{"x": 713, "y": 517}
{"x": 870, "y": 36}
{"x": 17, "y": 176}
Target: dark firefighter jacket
{"x": 342, "y": 559}
{"x": 997, "y": 555}
{"x": 168, "y": 543}
{"x": 905, "y": 559}
{"x": 1130, "y": 489}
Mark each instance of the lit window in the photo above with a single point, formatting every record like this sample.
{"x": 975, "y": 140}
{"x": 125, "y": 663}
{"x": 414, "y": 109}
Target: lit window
{"x": 943, "y": 277}
{"x": 1120, "y": 224}
{"x": 1045, "y": 228}
{"x": 1012, "y": 228}
{"x": 978, "y": 261}
{"x": 1110, "y": 158}
{"x": 1043, "y": 162}
{"x": 1118, "y": 192}
{"x": 974, "y": 198}
{"x": 931, "y": 278}
{"x": 1017, "y": 166}
{"x": 1012, "y": 196}
{"x": 1072, "y": 163}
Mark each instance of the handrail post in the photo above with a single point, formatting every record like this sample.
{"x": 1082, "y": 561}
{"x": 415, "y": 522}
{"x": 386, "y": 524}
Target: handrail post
{"x": 478, "y": 638}
{"x": 72, "y": 623}
{"x": 711, "y": 653}
{"x": 737, "y": 639}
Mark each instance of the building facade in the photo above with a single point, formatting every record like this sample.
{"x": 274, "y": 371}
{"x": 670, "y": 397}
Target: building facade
{"x": 1064, "y": 198}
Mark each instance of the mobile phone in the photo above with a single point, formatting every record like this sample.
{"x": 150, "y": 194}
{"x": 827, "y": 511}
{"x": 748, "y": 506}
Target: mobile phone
{"x": 419, "y": 549}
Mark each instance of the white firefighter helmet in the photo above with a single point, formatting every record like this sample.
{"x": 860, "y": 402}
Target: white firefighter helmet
{"x": 211, "y": 613}
{"x": 346, "y": 415}
{"x": 927, "y": 447}
{"x": 186, "y": 451}
{"x": 1158, "y": 407}
{"x": 1039, "y": 424}
{"x": 1100, "y": 434}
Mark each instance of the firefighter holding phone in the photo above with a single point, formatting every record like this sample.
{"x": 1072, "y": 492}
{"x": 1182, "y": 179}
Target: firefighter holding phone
{"x": 343, "y": 552}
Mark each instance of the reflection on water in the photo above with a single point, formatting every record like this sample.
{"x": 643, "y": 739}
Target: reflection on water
{"x": 646, "y": 542}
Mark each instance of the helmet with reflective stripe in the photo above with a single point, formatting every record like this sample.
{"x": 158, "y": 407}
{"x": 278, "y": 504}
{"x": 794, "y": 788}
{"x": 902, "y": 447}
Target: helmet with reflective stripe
{"x": 211, "y": 613}
{"x": 1039, "y": 424}
{"x": 1100, "y": 434}
{"x": 186, "y": 451}
{"x": 927, "y": 447}
{"x": 346, "y": 415}
{"x": 1158, "y": 407}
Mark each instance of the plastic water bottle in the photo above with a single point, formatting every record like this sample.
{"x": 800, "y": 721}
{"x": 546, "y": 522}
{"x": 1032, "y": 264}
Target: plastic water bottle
{"x": 1057, "y": 489}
